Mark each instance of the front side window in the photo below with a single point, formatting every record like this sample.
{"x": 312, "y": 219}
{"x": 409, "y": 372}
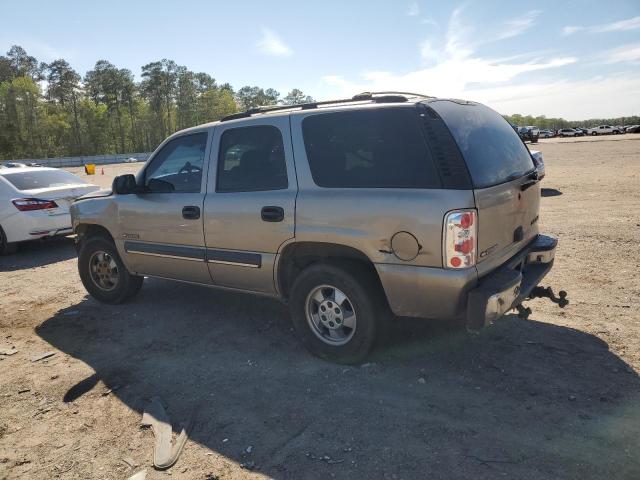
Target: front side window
{"x": 178, "y": 166}
{"x": 251, "y": 159}
{"x": 377, "y": 148}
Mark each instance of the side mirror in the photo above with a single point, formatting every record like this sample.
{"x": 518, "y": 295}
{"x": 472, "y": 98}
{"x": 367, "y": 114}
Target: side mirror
{"x": 124, "y": 185}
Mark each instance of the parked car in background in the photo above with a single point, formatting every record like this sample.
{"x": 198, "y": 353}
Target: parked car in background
{"x": 538, "y": 161}
{"x": 547, "y": 133}
{"x": 633, "y": 129}
{"x": 14, "y": 164}
{"x": 568, "y": 132}
{"x": 530, "y": 134}
{"x": 579, "y": 132}
{"x": 348, "y": 211}
{"x": 34, "y": 203}
{"x": 604, "y": 130}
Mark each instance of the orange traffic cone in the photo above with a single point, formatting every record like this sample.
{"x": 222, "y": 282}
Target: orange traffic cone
{"x": 102, "y": 171}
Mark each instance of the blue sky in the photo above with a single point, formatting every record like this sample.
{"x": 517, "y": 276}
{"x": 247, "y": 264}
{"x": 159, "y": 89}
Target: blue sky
{"x": 576, "y": 59}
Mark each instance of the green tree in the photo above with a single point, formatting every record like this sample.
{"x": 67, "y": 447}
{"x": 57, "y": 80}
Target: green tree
{"x": 251, "y": 97}
{"x": 296, "y": 96}
{"x": 63, "y": 87}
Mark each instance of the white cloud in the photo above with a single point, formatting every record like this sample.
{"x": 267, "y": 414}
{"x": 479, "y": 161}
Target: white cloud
{"x": 429, "y": 21}
{"x": 570, "y": 30}
{"x": 452, "y": 77}
{"x": 574, "y": 100}
{"x": 623, "y": 54}
{"x": 620, "y": 26}
{"x": 456, "y": 70}
{"x": 413, "y": 10}
{"x": 629, "y": 24}
{"x": 272, "y": 44}
{"x": 515, "y": 27}
{"x": 427, "y": 51}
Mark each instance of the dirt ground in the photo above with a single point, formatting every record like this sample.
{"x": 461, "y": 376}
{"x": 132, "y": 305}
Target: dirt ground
{"x": 557, "y": 396}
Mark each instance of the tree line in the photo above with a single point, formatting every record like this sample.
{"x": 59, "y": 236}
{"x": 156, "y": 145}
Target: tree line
{"x": 49, "y": 110}
{"x": 557, "y": 123}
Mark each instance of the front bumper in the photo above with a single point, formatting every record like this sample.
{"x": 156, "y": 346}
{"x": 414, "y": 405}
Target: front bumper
{"x": 509, "y": 285}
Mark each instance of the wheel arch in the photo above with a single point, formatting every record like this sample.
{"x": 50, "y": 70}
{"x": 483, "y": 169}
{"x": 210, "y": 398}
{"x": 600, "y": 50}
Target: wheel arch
{"x": 91, "y": 230}
{"x": 297, "y": 256}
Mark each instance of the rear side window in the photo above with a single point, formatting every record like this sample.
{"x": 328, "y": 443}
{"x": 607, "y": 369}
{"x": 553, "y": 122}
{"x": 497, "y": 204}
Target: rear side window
{"x": 33, "y": 180}
{"x": 252, "y": 159}
{"x": 382, "y": 148}
{"x": 491, "y": 148}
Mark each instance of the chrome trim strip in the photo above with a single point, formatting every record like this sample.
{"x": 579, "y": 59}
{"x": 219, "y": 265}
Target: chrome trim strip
{"x": 162, "y": 255}
{"x": 235, "y": 264}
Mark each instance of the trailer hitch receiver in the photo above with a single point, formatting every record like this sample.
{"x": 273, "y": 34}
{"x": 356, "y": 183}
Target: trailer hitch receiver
{"x": 542, "y": 292}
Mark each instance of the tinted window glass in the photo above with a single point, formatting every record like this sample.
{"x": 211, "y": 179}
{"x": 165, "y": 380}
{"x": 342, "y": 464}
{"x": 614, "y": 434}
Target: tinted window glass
{"x": 493, "y": 151}
{"x": 382, "y": 148}
{"x": 42, "y": 179}
{"x": 251, "y": 159}
{"x": 178, "y": 166}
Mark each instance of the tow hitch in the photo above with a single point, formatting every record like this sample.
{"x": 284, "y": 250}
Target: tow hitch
{"x": 542, "y": 292}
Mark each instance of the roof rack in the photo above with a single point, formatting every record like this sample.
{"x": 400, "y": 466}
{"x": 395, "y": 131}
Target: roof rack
{"x": 376, "y": 97}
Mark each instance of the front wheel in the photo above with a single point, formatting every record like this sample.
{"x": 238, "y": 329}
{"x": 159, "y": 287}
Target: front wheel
{"x": 103, "y": 274}
{"x": 594, "y": 134}
{"x": 336, "y": 311}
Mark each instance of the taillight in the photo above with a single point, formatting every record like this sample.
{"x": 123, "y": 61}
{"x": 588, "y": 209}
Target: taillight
{"x": 460, "y": 239}
{"x": 29, "y": 204}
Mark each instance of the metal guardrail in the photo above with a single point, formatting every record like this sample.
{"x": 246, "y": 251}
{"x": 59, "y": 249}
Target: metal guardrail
{"x": 84, "y": 160}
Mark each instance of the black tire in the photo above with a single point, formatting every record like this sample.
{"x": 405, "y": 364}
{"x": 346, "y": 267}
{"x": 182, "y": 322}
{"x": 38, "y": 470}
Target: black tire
{"x": 594, "y": 134}
{"x": 127, "y": 285}
{"x": 6, "y": 248}
{"x": 535, "y": 139}
{"x": 363, "y": 293}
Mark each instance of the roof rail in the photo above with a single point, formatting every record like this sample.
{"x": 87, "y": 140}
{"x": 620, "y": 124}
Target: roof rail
{"x": 377, "y": 97}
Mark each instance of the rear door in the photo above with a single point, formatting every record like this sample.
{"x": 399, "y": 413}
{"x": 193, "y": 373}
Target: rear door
{"x": 250, "y": 207}
{"x": 506, "y": 192}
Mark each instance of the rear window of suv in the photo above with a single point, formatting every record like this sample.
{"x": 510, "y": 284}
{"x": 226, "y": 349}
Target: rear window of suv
{"x": 491, "y": 148}
{"x": 371, "y": 148}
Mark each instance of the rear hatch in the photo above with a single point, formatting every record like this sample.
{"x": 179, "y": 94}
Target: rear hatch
{"x": 506, "y": 190}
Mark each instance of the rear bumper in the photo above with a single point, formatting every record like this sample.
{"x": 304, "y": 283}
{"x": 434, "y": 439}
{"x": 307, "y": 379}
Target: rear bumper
{"x": 509, "y": 285}
{"x": 439, "y": 293}
{"x": 25, "y": 226}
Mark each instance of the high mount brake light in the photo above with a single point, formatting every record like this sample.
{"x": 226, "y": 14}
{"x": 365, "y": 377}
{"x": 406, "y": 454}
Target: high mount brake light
{"x": 29, "y": 204}
{"x": 460, "y": 239}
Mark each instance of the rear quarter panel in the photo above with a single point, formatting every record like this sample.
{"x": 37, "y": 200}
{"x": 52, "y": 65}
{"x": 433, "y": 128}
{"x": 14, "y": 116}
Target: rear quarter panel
{"x": 367, "y": 218}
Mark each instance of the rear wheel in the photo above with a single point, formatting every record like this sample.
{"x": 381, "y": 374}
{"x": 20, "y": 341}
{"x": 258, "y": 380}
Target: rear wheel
{"x": 6, "y": 248}
{"x": 336, "y": 311}
{"x": 103, "y": 274}
{"x": 595, "y": 134}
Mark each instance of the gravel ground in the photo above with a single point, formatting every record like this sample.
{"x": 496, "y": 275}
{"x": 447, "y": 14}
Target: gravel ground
{"x": 557, "y": 396}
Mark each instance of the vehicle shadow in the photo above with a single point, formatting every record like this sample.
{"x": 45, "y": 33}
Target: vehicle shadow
{"x": 525, "y": 399}
{"x": 38, "y": 253}
{"x": 550, "y": 192}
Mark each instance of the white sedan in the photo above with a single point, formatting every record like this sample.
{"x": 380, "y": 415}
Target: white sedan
{"x": 34, "y": 203}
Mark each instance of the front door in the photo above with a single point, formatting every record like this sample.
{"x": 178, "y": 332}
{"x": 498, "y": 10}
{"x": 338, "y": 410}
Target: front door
{"x": 162, "y": 228}
{"x": 250, "y": 208}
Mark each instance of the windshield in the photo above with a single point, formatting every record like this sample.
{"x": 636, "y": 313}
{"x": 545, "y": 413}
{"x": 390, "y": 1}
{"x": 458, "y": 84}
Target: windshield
{"x": 37, "y": 179}
{"x": 493, "y": 151}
